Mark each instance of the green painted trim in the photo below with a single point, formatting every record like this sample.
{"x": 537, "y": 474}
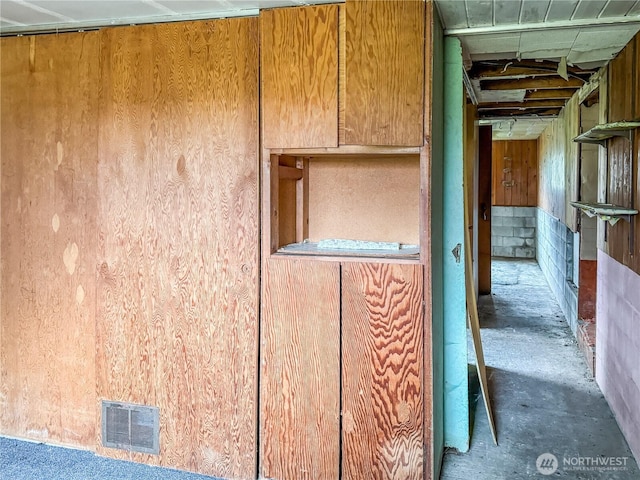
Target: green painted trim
{"x": 456, "y": 381}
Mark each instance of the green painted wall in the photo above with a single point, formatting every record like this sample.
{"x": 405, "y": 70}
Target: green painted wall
{"x": 456, "y": 380}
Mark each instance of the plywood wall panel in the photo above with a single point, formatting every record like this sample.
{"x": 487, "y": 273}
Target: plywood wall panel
{"x": 384, "y": 72}
{"x": 382, "y": 316}
{"x": 48, "y": 140}
{"x": 300, "y": 370}
{"x": 515, "y": 173}
{"x": 178, "y": 237}
{"x": 299, "y": 59}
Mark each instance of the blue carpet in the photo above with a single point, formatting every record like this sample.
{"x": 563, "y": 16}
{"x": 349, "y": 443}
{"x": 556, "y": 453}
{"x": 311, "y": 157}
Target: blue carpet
{"x": 35, "y": 461}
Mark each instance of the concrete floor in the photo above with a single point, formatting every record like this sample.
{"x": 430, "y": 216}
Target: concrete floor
{"x": 544, "y": 399}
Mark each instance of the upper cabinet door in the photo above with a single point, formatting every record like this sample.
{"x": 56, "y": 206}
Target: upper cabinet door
{"x": 384, "y": 72}
{"x": 299, "y": 56}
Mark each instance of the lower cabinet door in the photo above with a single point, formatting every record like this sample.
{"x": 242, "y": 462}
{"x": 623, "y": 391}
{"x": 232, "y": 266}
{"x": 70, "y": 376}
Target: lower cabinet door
{"x": 341, "y": 338}
{"x": 382, "y": 371}
{"x": 300, "y": 370}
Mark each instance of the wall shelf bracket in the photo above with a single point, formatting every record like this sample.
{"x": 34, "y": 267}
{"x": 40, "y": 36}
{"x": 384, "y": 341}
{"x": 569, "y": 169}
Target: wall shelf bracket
{"x": 601, "y": 133}
{"x": 610, "y": 213}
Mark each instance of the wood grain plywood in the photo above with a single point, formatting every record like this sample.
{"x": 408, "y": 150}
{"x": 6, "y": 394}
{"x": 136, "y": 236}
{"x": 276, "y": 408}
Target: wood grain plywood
{"x": 178, "y": 238}
{"x": 515, "y": 172}
{"x": 373, "y": 199}
{"x": 384, "y": 72}
{"x": 49, "y": 122}
{"x": 382, "y": 389}
{"x": 299, "y": 70}
{"x": 300, "y": 370}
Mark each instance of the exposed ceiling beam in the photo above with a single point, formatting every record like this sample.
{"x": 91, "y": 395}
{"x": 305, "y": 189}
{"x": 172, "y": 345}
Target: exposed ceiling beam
{"x": 507, "y": 69}
{"x": 549, "y": 112}
{"x": 550, "y": 94}
{"x": 522, "y": 105}
{"x": 532, "y": 27}
{"x": 531, "y": 83}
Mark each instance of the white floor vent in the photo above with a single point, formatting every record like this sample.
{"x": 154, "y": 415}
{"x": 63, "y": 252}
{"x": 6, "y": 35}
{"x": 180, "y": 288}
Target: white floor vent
{"x": 131, "y": 427}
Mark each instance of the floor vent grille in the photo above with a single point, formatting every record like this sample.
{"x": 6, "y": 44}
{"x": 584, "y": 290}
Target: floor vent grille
{"x": 131, "y": 427}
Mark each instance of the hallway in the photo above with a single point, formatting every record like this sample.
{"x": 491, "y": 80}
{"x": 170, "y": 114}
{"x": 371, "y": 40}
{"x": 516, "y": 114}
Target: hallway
{"x": 544, "y": 399}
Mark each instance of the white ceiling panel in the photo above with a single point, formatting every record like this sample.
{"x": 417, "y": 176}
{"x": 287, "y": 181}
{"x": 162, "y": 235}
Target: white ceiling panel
{"x": 455, "y": 14}
{"x": 561, "y": 11}
{"x": 500, "y": 43}
{"x": 534, "y": 11}
{"x": 480, "y": 13}
{"x": 506, "y": 12}
{"x": 494, "y": 96}
{"x": 558, "y": 41}
{"x": 589, "y": 9}
{"x": 635, "y": 10}
{"x": 91, "y": 10}
{"x": 21, "y": 13}
{"x": 618, "y": 8}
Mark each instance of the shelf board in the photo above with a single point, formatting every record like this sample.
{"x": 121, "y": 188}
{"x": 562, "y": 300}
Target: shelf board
{"x": 606, "y": 211}
{"x": 409, "y": 252}
{"x": 600, "y": 133}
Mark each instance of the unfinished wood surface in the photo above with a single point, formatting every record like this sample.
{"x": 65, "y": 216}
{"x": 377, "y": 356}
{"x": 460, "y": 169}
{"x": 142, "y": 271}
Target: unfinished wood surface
{"x": 300, "y": 370}
{"x": 431, "y": 405}
{"x": 623, "y": 156}
{"x": 178, "y": 238}
{"x": 382, "y": 375}
{"x": 361, "y": 198}
{"x": 299, "y": 60}
{"x": 484, "y": 212}
{"x": 515, "y": 173}
{"x": 571, "y": 161}
{"x": 48, "y": 129}
{"x": 384, "y": 72}
{"x": 551, "y": 172}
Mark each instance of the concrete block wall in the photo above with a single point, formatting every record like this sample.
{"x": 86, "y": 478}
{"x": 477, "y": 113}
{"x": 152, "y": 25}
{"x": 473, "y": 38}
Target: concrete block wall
{"x": 618, "y": 344}
{"x": 513, "y": 232}
{"x": 555, "y": 252}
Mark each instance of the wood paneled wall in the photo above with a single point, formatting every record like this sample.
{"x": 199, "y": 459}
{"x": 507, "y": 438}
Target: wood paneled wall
{"x": 49, "y": 150}
{"x": 515, "y": 173}
{"x": 178, "y": 237}
{"x": 622, "y": 180}
{"x": 558, "y": 165}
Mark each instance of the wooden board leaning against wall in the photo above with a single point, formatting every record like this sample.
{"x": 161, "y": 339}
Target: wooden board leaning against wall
{"x": 49, "y": 148}
{"x": 178, "y": 238}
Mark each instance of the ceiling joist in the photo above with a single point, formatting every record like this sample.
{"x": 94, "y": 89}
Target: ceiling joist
{"x": 531, "y": 83}
{"x": 522, "y": 105}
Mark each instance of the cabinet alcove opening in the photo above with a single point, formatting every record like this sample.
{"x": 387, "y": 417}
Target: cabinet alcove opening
{"x": 368, "y": 203}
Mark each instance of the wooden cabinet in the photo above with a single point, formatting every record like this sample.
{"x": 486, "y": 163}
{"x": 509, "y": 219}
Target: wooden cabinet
{"x": 384, "y": 72}
{"x": 342, "y": 370}
{"x": 343, "y": 75}
{"x": 299, "y": 77}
